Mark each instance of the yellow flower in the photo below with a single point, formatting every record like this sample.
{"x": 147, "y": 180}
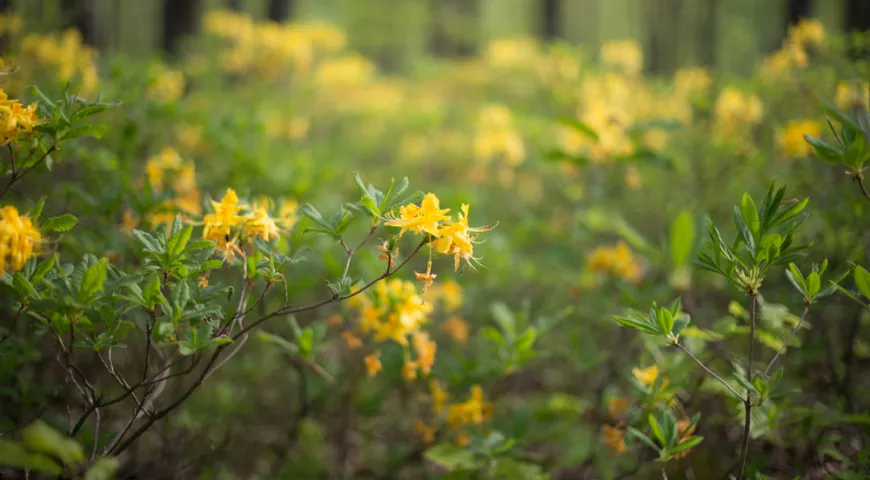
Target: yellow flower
{"x": 227, "y": 247}
{"x": 512, "y": 52}
{"x": 259, "y": 224}
{"x": 129, "y": 221}
{"x": 807, "y": 31}
{"x": 624, "y": 55}
{"x": 685, "y": 431}
{"x": 346, "y": 71}
{"x": 647, "y": 376}
{"x": 19, "y": 239}
{"x": 353, "y": 342}
{"x": 614, "y": 437}
{"x": 426, "y": 433}
{"x": 373, "y": 363}
{"x": 409, "y": 370}
{"x": 618, "y": 260}
{"x": 850, "y": 95}
{"x": 225, "y": 217}
{"x": 202, "y": 281}
{"x": 15, "y": 119}
{"x": 451, "y": 294}
{"x": 790, "y": 139}
{"x": 632, "y": 178}
{"x": 424, "y": 348}
{"x": 425, "y": 218}
{"x": 474, "y": 411}
{"x": 616, "y": 406}
{"x": 692, "y": 81}
{"x": 457, "y": 329}
{"x": 167, "y": 85}
{"x": 439, "y": 396}
{"x": 455, "y": 238}
{"x": 427, "y": 278}
{"x": 734, "y": 108}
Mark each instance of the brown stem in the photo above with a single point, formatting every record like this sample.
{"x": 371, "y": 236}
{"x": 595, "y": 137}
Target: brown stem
{"x": 860, "y": 179}
{"x": 747, "y": 401}
{"x": 12, "y": 325}
{"x": 711, "y": 372}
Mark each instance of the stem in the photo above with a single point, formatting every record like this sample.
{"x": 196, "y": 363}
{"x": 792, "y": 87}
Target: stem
{"x": 664, "y": 473}
{"x": 787, "y": 342}
{"x": 860, "y": 179}
{"x": 747, "y": 402}
{"x": 12, "y": 325}
{"x": 711, "y": 372}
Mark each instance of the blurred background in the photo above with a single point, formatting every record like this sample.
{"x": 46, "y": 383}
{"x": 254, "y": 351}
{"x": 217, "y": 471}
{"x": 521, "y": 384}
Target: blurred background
{"x": 599, "y": 135}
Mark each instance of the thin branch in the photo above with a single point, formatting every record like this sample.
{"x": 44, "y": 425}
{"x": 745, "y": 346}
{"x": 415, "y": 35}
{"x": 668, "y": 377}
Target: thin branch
{"x": 13, "y": 324}
{"x": 787, "y": 342}
{"x": 711, "y": 372}
{"x": 747, "y": 402}
{"x": 860, "y": 179}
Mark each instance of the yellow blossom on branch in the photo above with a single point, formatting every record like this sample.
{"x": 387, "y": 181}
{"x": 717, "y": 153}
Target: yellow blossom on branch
{"x": 19, "y": 239}
{"x": 790, "y": 138}
{"x": 614, "y": 437}
{"x": 15, "y": 118}
{"x": 373, "y": 363}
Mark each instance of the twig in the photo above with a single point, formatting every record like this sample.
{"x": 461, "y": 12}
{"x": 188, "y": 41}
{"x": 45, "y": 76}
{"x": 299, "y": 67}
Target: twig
{"x": 711, "y": 372}
{"x": 860, "y": 179}
{"x": 787, "y": 342}
{"x": 747, "y": 402}
{"x": 12, "y": 325}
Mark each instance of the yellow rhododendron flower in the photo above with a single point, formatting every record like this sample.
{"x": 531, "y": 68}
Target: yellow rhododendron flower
{"x": 455, "y": 238}
{"x": 692, "y": 81}
{"x": 426, "y": 433}
{"x": 617, "y": 259}
{"x": 353, "y": 342}
{"x": 473, "y": 411}
{"x": 19, "y": 239}
{"x": 373, "y": 363}
{"x": 616, "y": 406}
{"x": 851, "y": 94}
{"x": 426, "y": 278}
{"x": 624, "y": 55}
{"x": 167, "y": 84}
{"x": 457, "y": 329}
{"x": 790, "y": 138}
{"x": 15, "y": 119}
{"x": 685, "y": 431}
{"x": 808, "y": 31}
{"x": 614, "y": 437}
{"x": 409, "y": 370}
{"x": 424, "y": 218}
{"x": 219, "y": 224}
{"x": 734, "y": 108}
{"x": 424, "y": 348}
{"x": 646, "y": 376}
{"x": 259, "y": 224}
{"x": 439, "y": 396}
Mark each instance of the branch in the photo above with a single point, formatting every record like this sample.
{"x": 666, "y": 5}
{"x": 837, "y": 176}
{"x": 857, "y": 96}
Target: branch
{"x": 12, "y": 325}
{"x": 787, "y": 342}
{"x": 860, "y": 179}
{"x": 711, "y": 372}
{"x": 747, "y": 402}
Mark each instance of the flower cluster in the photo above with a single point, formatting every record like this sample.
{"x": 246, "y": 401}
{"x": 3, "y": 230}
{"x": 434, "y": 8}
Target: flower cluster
{"x": 617, "y": 260}
{"x": 395, "y": 311}
{"x": 15, "y": 118}
{"x": 166, "y": 85}
{"x": 185, "y": 197}
{"x": 63, "y": 54}
{"x": 790, "y": 138}
{"x": 623, "y": 55}
{"x": 19, "y": 239}
{"x": 448, "y": 237}
{"x": 270, "y": 48}
{"x": 495, "y": 136}
{"x": 793, "y": 53}
{"x": 458, "y": 417}
{"x": 231, "y": 223}
{"x": 735, "y": 109}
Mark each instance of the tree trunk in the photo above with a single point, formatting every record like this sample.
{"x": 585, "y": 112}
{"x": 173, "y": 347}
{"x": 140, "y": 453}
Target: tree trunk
{"x": 180, "y": 18}
{"x": 81, "y": 15}
{"x": 5, "y": 5}
{"x": 796, "y": 10}
{"x": 280, "y": 11}
{"x": 662, "y": 22}
{"x": 707, "y": 32}
{"x": 550, "y": 13}
{"x": 857, "y": 15}
{"x": 451, "y": 19}
{"x": 235, "y": 5}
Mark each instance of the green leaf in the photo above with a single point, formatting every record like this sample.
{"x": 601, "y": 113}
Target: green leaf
{"x": 23, "y": 286}
{"x": 750, "y": 214}
{"x": 841, "y": 117}
{"x": 450, "y": 457}
{"x": 637, "y": 324}
{"x": 813, "y": 284}
{"x": 42, "y": 438}
{"x": 680, "y": 324}
{"x": 796, "y": 278}
{"x": 178, "y": 241}
{"x": 823, "y": 150}
{"x": 62, "y": 223}
{"x": 147, "y": 240}
{"x": 212, "y": 264}
{"x": 682, "y": 447}
{"x": 287, "y": 346}
{"x": 643, "y": 438}
{"x": 43, "y": 268}
{"x": 36, "y": 211}
{"x": 656, "y": 429}
{"x": 88, "y": 110}
{"x": 15, "y": 455}
{"x": 682, "y": 238}
{"x": 103, "y": 469}
{"x": 93, "y": 280}
{"x": 792, "y": 211}
{"x": 93, "y": 130}
{"x": 862, "y": 280}
{"x": 743, "y": 229}
{"x": 580, "y": 127}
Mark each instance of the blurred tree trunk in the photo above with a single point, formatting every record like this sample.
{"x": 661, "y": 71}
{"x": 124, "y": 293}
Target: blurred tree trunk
{"x": 857, "y": 15}
{"x": 5, "y": 5}
{"x": 235, "y": 5}
{"x": 454, "y": 28}
{"x": 180, "y": 18}
{"x": 707, "y": 31}
{"x": 81, "y": 15}
{"x": 550, "y": 13}
{"x": 796, "y": 10}
{"x": 664, "y": 35}
{"x": 280, "y": 10}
